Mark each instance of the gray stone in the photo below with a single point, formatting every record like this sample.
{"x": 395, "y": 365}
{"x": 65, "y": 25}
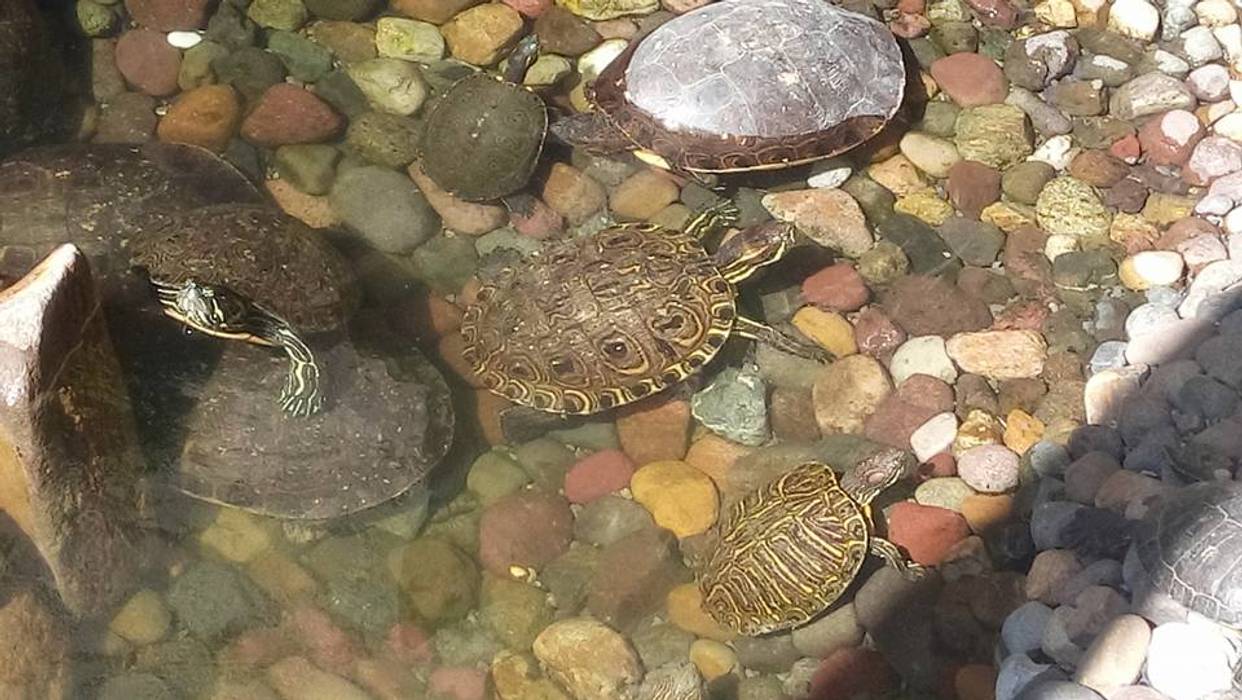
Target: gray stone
{"x": 1149, "y": 94}
{"x": 734, "y": 405}
{"x": 838, "y": 629}
{"x": 1024, "y": 628}
{"x": 209, "y": 601}
{"x": 1049, "y": 522}
{"x": 385, "y": 208}
{"x": 609, "y": 519}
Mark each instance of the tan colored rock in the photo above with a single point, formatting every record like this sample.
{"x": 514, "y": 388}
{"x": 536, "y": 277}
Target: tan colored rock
{"x": 572, "y": 193}
{"x": 589, "y": 659}
{"x": 847, "y": 392}
{"x": 999, "y": 354}
{"x": 34, "y": 648}
{"x": 207, "y": 116}
{"x": 831, "y": 218}
{"x": 480, "y": 34}
{"x": 643, "y": 195}
{"x": 516, "y": 677}
{"x": 69, "y": 455}
{"x": 469, "y": 218}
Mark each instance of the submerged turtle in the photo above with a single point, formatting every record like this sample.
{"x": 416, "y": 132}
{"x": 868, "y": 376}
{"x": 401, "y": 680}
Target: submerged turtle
{"x": 600, "y": 321}
{"x": 238, "y": 272}
{"x": 790, "y": 549}
{"x": 1190, "y": 547}
{"x": 484, "y": 136}
{"x": 745, "y": 85}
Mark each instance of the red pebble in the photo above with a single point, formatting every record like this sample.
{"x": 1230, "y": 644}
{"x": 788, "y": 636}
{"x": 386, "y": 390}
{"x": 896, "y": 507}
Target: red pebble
{"x": 458, "y": 683}
{"x": 838, "y": 287}
{"x": 287, "y": 114}
{"x": 598, "y": 475}
{"x": 527, "y": 528}
{"x": 148, "y": 62}
{"x": 970, "y": 79}
{"x": 939, "y": 465}
{"x": 1127, "y": 148}
{"x": 406, "y": 642}
{"x": 328, "y": 646}
{"x": 926, "y": 532}
{"x": 851, "y": 672}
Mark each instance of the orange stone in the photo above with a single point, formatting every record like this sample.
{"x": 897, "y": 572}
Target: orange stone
{"x": 443, "y": 316}
{"x": 488, "y": 408}
{"x": 975, "y": 682}
{"x": 1022, "y": 430}
{"x": 572, "y": 193}
{"x": 715, "y": 457}
{"x": 685, "y": 610}
{"x": 654, "y": 430}
{"x": 207, "y": 116}
{"x": 642, "y": 195}
{"x": 313, "y": 210}
{"x": 985, "y": 512}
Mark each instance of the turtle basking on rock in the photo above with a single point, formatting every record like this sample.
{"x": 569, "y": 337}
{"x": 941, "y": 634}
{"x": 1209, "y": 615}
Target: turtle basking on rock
{"x": 596, "y": 322}
{"x": 485, "y": 134}
{"x": 745, "y": 85}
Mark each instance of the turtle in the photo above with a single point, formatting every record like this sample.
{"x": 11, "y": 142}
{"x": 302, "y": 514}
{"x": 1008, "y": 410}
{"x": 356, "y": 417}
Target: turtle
{"x": 789, "y": 549}
{"x": 597, "y": 322}
{"x": 484, "y": 135}
{"x": 744, "y": 85}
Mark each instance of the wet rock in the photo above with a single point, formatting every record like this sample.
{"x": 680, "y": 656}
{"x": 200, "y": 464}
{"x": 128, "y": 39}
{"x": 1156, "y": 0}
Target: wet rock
{"x": 972, "y": 186}
{"x": 209, "y": 600}
{"x": 928, "y": 533}
{"x": 1115, "y": 656}
{"x": 478, "y": 35}
{"x": 678, "y": 496}
{"x": 996, "y": 135}
{"x": 148, "y": 62}
{"x": 70, "y": 486}
{"x": 404, "y": 220}
{"x": 970, "y": 79}
{"x": 734, "y": 405}
{"x": 294, "y": 676}
{"x": 847, "y": 392}
{"x": 572, "y": 193}
{"x": 588, "y": 658}
{"x": 924, "y": 305}
{"x": 999, "y": 354}
{"x": 526, "y": 529}
{"x": 831, "y": 218}
{"x": 515, "y": 611}
{"x": 1148, "y": 94}
{"x": 206, "y": 116}
{"x": 287, "y": 114}
{"x": 391, "y": 85}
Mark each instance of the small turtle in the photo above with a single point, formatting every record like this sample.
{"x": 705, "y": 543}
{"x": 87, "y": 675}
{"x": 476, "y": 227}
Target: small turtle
{"x": 238, "y": 272}
{"x": 600, "y": 321}
{"x": 789, "y": 549}
{"x": 745, "y": 85}
{"x": 484, "y": 135}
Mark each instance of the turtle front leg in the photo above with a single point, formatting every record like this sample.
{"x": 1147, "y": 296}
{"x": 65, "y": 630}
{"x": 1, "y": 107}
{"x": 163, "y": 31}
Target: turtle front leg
{"x": 892, "y": 556}
{"x": 763, "y": 333}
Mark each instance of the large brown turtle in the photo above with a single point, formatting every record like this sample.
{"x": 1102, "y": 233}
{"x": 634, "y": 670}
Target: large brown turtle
{"x": 745, "y": 85}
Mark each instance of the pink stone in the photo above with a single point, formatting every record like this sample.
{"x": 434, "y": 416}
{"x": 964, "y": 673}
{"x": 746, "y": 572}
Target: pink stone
{"x": 406, "y": 642}
{"x": 838, "y": 287}
{"x": 911, "y": 7}
{"x": 928, "y": 533}
{"x": 908, "y": 26}
{"x": 970, "y": 79}
{"x": 1022, "y": 315}
{"x": 532, "y": 218}
{"x": 989, "y": 468}
{"x": 329, "y": 646}
{"x": 939, "y": 465}
{"x": 287, "y": 114}
{"x": 876, "y": 334}
{"x": 1212, "y": 158}
{"x": 148, "y": 62}
{"x": 458, "y": 683}
{"x": 1127, "y": 148}
{"x": 1001, "y": 14}
{"x": 528, "y": 528}
{"x": 529, "y": 8}
{"x": 972, "y": 186}
{"x": 598, "y": 475}
{"x": 1169, "y": 138}
{"x": 258, "y": 647}
{"x": 1200, "y": 251}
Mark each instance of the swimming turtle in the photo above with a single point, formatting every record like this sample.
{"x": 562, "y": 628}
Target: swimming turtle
{"x": 745, "y": 85}
{"x": 790, "y": 548}
{"x": 596, "y": 322}
{"x": 484, "y": 135}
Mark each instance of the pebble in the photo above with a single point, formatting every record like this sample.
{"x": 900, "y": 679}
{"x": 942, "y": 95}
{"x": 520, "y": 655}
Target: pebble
{"x": 852, "y": 672}
{"x": 935, "y": 436}
{"x": 1023, "y": 629}
{"x": 401, "y": 223}
{"x": 685, "y": 609}
{"x": 526, "y": 529}
{"x": 829, "y": 330}
{"x": 996, "y": 135}
{"x": 924, "y": 305}
{"x": 457, "y": 683}
{"x": 655, "y": 430}
{"x": 1169, "y": 138}
{"x": 236, "y": 536}
{"x": 478, "y": 35}
{"x": 1187, "y": 661}
{"x": 970, "y": 79}
{"x": 837, "y": 287}
{"x": 1213, "y": 157}
{"x": 143, "y": 619}
{"x": 165, "y": 16}
{"x": 898, "y": 175}
{"x": 288, "y": 15}
{"x": 930, "y": 154}
{"x": 1049, "y": 572}
{"x": 1015, "y": 673}
{"x": 1115, "y": 657}
{"x": 847, "y": 391}
{"x": 734, "y": 403}
{"x": 515, "y": 611}
{"x": 678, "y": 496}
{"x": 642, "y": 195}
{"x": 468, "y": 218}
{"x": 713, "y": 659}
{"x": 287, "y": 114}
{"x": 207, "y": 116}
{"x": 572, "y": 193}
{"x": 148, "y": 62}
{"x": 1151, "y": 268}
{"x": 408, "y": 39}
{"x": 943, "y": 492}
{"x": 588, "y": 658}
{"x": 989, "y": 468}
{"x": 999, "y": 354}
{"x": 922, "y": 355}
{"x": 609, "y": 519}
{"x": 1151, "y": 93}
{"x": 516, "y": 675}
{"x": 391, "y": 85}
{"x": 928, "y": 533}
{"x": 830, "y": 217}
{"x": 972, "y": 186}
{"x": 1134, "y": 18}
{"x": 839, "y": 629}
{"x": 295, "y": 677}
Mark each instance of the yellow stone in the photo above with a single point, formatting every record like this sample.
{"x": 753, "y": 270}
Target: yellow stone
{"x": 715, "y": 457}
{"x": 1007, "y": 216}
{"x": 926, "y": 205}
{"x": 143, "y": 619}
{"x": 1022, "y": 430}
{"x": 685, "y": 609}
{"x": 235, "y": 535}
{"x": 712, "y": 658}
{"x": 898, "y": 175}
{"x": 828, "y": 329}
{"x": 1091, "y": 13}
{"x": 1163, "y": 209}
{"x": 1133, "y": 231}
{"x": 480, "y": 34}
{"x": 979, "y": 428}
{"x": 516, "y": 677}
{"x": 679, "y": 497}
{"x": 1057, "y": 13}
{"x": 282, "y": 579}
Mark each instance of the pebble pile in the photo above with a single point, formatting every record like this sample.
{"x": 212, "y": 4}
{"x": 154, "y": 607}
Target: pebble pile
{"x": 1033, "y": 289}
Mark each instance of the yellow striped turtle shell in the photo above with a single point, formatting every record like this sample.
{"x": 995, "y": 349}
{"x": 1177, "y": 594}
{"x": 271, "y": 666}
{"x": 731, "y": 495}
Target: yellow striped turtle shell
{"x": 787, "y": 551}
{"x": 600, "y": 321}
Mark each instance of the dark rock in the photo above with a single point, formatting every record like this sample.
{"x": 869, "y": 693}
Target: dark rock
{"x": 634, "y": 576}
{"x": 925, "y": 305}
{"x": 928, "y": 253}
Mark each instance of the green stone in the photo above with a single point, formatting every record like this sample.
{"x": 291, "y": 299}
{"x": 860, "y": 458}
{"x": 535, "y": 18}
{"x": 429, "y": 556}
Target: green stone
{"x": 549, "y": 69}
{"x": 505, "y": 239}
{"x": 340, "y": 91}
{"x": 1071, "y": 207}
{"x": 568, "y": 577}
{"x": 955, "y": 37}
{"x": 251, "y": 71}
{"x": 927, "y": 251}
{"x": 440, "y": 580}
{"x": 1023, "y": 182}
{"x": 494, "y": 475}
{"x": 940, "y": 119}
{"x": 349, "y": 10}
{"x": 1084, "y": 270}
{"x": 305, "y": 60}
{"x": 94, "y": 19}
{"x": 386, "y": 139}
{"x": 993, "y": 42}
{"x": 591, "y": 435}
{"x": 1079, "y": 98}
{"x": 1100, "y": 41}
{"x": 611, "y": 9}
{"x": 998, "y": 135}
{"x": 874, "y": 199}
{"x": 975, "y": 242}
{"x": 408, "y": 39}
{"x": 310, "y": 168}
{"x": 184, "y": 664}
{"x": 445, "y": 263}
{"x": 1100, "y": 132}
{"x": 943, "y": 492}
{"x": 289, "y": 15}
{"x": 515, "y": 611}
{"x": 196, "y": 65}
{"x": 884, "y": 264}
{"x": 546, "y": 461}
{"x": 926, "y": 52}
{"x": 348, "y": 41}
{"x": 942, "y": 11}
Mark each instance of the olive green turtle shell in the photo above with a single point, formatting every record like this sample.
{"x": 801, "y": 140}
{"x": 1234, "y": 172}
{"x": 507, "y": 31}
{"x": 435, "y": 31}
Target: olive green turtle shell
{"x": 597, "y": 322}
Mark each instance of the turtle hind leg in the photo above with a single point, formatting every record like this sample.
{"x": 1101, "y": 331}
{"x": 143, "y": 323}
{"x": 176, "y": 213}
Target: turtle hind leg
{"x": 892, "y": 556}
{"x": 301, "y": 395}
{"x": 763, "y": 333}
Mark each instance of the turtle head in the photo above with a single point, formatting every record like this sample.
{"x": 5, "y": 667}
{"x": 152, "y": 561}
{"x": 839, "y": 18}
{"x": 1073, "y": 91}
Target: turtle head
{"x": 752, "y": 248}
{"x": 199, "y": 305}
{"x": 876, "y": 473}
{"x": 521, "y": 58}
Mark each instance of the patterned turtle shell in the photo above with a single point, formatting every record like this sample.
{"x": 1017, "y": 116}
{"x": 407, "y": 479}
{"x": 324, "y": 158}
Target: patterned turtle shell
{"x": 754, "y": 84}
{"x": 786, "y": 552}
{"x": 1190, "y": 550}
{"x": 600, "y": 321}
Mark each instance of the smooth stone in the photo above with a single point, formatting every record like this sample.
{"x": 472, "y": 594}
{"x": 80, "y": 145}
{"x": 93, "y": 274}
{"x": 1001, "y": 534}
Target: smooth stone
{"x": 610, "y": 519}
{"x": 678, "y": 496}
{"x": 1187, "y": 661}
{"x": 1115, "y": 657}
{"x": 922, "y": 355}
{"x": 989, "y": 468}
{"x": 588, "y": 658}
{"x": 935, "y": 436}
{"x": 391, "y": 85}
{"x": 1024, "y": 627}
{"x": 398, "y": 225}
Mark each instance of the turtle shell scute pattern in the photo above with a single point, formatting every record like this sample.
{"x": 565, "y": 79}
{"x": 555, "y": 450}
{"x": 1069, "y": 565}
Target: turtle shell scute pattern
{"x": 1192, "y": 550}
{"x": 787, "y": 551}
{"x": 483, "y": 138}
{"x": 597, "y": 322}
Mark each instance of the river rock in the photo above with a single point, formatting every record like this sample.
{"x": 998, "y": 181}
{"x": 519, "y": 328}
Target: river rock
{"x": 589, "y": 659}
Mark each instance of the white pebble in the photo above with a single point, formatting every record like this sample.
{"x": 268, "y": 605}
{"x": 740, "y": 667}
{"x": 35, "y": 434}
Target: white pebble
{"x": 934, "y": 436}
{"x": 1233, "y": 220}
{"x": 831, "y": 174}
{"x": 1219, "y": 110}
{"x": 1216, "y": 13}
{"x": 1134, "y": 18}
{"x": 1230, "y": 38}
{"x": 1229, "y": 126}
{"x": 1188, "y": 662}
{"x": 922, "y": 355}
{"x": 593, "y": 62}
{"x": 184, "y": 40}
{"x": 1152, "y": 268}
{"x": 1057, "y": 151}
{"x": 1059, "y": 244}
